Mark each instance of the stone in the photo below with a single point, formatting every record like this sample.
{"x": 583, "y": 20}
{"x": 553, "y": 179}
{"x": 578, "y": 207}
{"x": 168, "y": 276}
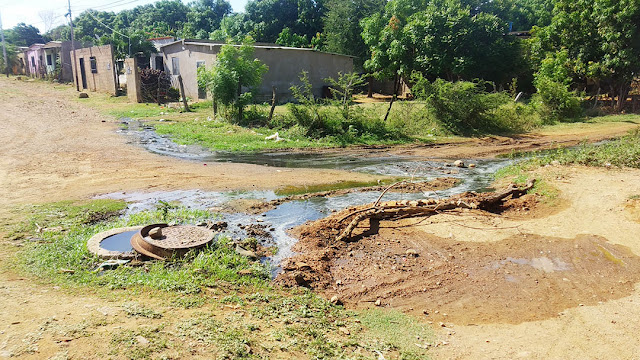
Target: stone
{"x": 412, "y": 253}
{"x": 459, "y": 163}
{"x": 246, "y": 253}
{"x": 83, "y": 95}
{"x": 335, "y": 300}
{"x": 345, "y": 331}
{"x": 142, "y": 340}
{"x": 155, "y": 233}
{"x": 472, "y": 166}
{"x": 378, "y": 302}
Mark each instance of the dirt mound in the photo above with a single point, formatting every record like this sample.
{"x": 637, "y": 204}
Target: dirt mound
{"x": 523, "y": 278}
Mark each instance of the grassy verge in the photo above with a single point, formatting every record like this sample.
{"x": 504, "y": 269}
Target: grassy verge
{"x": 622, "y": 152}
{"x": 203, "y": 305}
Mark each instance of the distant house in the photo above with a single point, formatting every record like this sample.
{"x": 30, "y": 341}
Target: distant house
{"x": 156, "y": 61}
{"x": 95, "y": 69}
{"x": 184, "y": 57}
{"x": 58, "y": 59}
{"x": 34, "y": 57}
{"x": 20, "y": 67}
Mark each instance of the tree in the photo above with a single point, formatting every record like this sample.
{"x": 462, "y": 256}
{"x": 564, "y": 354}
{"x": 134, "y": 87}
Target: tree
{"x": 606, "y": 53}
{"x": 23, "y": 35}
{"x": 235, "y": 68}
{"x": 439, "y": 38}
{"x": 342, "y": 27}
{"x": 204, "y": 17}
{"x": 521, "y": 14}
{"x": 267, "y": 18}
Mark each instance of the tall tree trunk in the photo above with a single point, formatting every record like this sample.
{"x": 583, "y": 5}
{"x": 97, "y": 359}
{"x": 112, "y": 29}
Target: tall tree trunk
{"x": 370, "y": 87}
{"x": 623, "y": 92}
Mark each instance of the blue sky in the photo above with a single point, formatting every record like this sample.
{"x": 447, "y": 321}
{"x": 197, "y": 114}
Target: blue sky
{"x": 16, "y": 11}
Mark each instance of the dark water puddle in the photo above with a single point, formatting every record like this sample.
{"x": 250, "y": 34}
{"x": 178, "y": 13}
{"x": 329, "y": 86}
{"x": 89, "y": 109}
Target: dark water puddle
{"x": 119, "y": 242}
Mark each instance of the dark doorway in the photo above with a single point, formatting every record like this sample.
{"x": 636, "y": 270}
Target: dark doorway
{"x": 83, "y": 74}
{"x": 159, "y": 63}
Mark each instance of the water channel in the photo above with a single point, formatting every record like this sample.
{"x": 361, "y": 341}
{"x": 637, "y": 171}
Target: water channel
{"x": 291, "y": 214}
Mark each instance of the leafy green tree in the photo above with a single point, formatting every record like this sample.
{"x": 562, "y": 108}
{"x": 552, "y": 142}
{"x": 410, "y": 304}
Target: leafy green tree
{"x": 439, "y": 38}
{"x": 204, "y": 17}
{"x": 343, "y": 30}
{"x": 606, "y": 52}
{"x": 23, "y": 35}
{"x": 522, "y": 14}
{"x": 267, "y": 18}
{"x": 287, "y": 38}
{"x": 235, "y": 68}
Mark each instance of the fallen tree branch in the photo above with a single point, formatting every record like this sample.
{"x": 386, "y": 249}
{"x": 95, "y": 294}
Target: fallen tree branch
{"x": 395, "y": 210}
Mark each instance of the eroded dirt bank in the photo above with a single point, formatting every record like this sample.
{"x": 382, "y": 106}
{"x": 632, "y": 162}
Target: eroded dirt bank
{"x": 571, "y": 270}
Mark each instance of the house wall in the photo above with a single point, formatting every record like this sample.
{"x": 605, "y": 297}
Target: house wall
{"x": 104, "y": 78}
{"x": 285, "y": 67}
{"x": 34, "y": 57}
{"x": 188, "y": 58}
{"x": 132, "y": 73}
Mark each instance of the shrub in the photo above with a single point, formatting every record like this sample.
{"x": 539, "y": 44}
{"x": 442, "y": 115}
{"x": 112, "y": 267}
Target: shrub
{"x": 555, "y": 102}
{"x": 461, "y": 107}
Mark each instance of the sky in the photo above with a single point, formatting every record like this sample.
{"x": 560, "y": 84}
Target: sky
{"x": 13, "y": 12}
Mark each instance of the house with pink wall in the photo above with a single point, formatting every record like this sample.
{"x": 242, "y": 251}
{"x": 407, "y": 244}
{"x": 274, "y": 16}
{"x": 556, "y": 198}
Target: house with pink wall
{"x": 34, "y": 59}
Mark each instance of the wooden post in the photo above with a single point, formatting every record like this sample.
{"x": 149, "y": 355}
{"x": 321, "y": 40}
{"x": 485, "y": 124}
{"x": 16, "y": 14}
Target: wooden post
{"x": 184, "y": 97}
{"x": 396, "y": 86}
{"x": 273, "y": 103}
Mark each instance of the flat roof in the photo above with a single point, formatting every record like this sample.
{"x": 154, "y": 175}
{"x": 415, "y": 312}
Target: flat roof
{"x": 203, "y": 42}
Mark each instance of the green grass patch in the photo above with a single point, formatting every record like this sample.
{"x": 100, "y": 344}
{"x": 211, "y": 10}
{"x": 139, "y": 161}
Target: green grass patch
{"x": 622, "y": 152}
{"x": 62, "y": 256}
{"x": 388, "y": 330}
{"x": 308, "y": 189}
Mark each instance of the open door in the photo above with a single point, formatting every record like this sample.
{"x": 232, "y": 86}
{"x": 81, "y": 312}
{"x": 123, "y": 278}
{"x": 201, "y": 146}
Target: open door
{"x": 83, "y": 74}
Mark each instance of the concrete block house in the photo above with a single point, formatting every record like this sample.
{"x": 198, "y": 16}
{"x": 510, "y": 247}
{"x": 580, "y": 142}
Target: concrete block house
{"x": 184, "y": 57}
{"x": 95, "y": 69}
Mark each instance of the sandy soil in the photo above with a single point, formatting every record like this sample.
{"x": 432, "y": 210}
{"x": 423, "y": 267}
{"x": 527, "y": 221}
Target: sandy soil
{"x": 54, "y": 148}
{"x": 532, "y": 283}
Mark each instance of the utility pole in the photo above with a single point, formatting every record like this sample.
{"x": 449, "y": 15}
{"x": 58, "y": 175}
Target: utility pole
{"x": 73, "y": 47}
{"x": 4, "y": 49}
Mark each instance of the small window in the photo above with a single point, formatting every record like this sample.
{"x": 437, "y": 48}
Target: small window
{"x": 94, "y": 64}
{"x": 49, "y": 60}
{"x": 175, "y": 66}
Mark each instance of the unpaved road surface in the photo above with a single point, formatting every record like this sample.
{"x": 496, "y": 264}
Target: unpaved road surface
{"x": 54, "y": 148}
{"x": 545, "y": 283}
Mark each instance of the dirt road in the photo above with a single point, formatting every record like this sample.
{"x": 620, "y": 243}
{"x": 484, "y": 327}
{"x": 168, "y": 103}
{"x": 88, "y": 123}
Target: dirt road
{"x": 54, "y": 148}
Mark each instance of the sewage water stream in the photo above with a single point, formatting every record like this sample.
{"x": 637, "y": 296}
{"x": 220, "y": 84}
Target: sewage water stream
{"x": 291, "y": 214}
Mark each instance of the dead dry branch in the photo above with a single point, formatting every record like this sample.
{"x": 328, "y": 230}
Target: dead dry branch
{"x": 402, "y": 209}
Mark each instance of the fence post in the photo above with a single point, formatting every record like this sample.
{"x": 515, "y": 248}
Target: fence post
{"x": 273, "y": 103}
{"x": 184, "y": 97}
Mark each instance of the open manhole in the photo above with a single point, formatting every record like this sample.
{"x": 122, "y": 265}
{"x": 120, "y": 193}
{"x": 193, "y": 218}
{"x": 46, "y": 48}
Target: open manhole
{"x": 114, "y": 243}
{"x": 167, "y": 241}
{"x": 161, "y": 241}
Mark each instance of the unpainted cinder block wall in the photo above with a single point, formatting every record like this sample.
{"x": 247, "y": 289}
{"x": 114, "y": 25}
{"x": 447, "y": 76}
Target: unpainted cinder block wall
{"x": 132, "y": 72}
{"x": 103, "y": 77}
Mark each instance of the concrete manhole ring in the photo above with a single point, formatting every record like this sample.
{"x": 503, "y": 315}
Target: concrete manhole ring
{"x": 93, "y": 245}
